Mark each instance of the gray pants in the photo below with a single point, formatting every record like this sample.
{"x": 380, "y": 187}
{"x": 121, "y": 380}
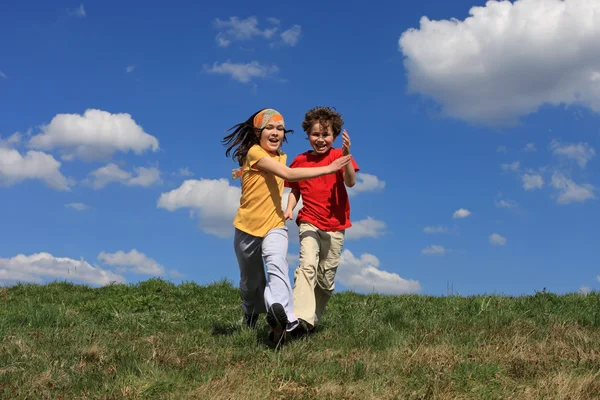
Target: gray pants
{"x": 253, "y": 254}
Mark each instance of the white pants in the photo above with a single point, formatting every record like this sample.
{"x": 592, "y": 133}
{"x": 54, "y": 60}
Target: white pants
{"x": 260, "y": 291}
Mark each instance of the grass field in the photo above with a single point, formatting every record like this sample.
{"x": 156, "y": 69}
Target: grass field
{"x": 165, "y": 341}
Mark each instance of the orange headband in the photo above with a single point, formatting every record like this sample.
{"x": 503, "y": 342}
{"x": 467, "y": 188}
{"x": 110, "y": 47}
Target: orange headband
{"x": 265, "y": 116}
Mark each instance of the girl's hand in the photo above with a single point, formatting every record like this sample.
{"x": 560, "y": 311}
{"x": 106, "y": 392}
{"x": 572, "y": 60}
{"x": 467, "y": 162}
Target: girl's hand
{"x": 289, "y": 214}
{"x": 339, "y": 163}
{"x": 345, "y": 143}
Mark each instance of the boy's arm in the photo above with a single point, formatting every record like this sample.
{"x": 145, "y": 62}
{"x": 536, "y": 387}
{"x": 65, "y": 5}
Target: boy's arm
{"x": 292, "y": 202}
{"x": 349, "y": 172}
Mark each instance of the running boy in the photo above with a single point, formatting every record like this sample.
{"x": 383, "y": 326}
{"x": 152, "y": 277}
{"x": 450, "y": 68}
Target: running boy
{"x": 261, "y": 237}
{"x": 324, "y": 217}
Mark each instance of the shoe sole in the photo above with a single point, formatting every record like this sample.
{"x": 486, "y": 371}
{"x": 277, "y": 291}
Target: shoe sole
{"x": 277, "y": 320}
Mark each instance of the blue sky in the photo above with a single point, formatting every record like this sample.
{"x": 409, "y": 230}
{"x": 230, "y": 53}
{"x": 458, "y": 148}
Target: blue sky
{"x": 476, "y": 131}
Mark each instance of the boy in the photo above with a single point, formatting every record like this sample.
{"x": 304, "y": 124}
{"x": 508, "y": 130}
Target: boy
{"x": 324, "y": 217}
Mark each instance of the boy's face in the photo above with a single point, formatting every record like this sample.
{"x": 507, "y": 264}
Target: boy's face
{"x": 320, "y": 138}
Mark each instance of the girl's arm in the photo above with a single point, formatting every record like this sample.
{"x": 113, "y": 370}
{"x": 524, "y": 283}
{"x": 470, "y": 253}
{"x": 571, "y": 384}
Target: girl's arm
{"x": 298, "y": 174}
{"x": 292, "y": 202}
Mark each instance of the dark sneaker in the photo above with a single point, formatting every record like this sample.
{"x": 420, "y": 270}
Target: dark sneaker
{"x": 302, "y": 330}
{"x": 277, "y": 320}
{"x": 250, "y": 320}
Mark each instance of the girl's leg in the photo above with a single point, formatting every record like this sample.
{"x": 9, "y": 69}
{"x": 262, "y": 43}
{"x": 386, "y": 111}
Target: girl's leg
{"x": 252, "y": 272}
{"x": 279, "y": 288}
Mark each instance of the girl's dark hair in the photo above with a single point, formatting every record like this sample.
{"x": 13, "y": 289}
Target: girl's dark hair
{"x": 243, "y": 137}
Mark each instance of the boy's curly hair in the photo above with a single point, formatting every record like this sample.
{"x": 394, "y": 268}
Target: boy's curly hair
{"x": 325, "y": 116}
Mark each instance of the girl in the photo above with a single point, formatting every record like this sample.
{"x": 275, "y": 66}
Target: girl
{"x": 261, "y": 237}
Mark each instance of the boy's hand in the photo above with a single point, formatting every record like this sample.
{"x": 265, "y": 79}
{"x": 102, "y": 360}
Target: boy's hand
{"x": 345, "y": 143}
{"x": 289, "y": 214}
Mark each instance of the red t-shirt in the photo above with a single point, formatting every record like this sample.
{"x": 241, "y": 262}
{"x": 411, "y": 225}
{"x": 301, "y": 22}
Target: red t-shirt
{"x": 324, "y": 198}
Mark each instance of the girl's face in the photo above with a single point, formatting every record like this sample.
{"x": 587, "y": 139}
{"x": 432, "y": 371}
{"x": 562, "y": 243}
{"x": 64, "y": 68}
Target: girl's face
{"x": 271, "y": 137}
{"x": 320, "y": 139}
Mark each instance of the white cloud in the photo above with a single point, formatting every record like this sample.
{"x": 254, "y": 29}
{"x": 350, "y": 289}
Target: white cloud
{"x": 44, "y": 266}
{"x": 507, "y": 59}
{"x": 581, "y": 152}
{"x": 569, "y": 191}
{"x": 501, "y": 149}
{"x": 240, "y": 29}
{"x": 185, "y": 172}
{"x": 273, "y": 21}
{"x": 94, "y": 135}
{"x": 15, "y": 168}
{"x": 461, "y": 213}
{"x": 435, "y": 229}
{"x": 363, "y": 274}
{"x": 434, "y": 249}
{"x": 243, "y": 72}
{"x": 12, "y": 140}
{"x": 366, "y": 183}
{"x": 214, "y": 201}
{"x": 529, "y": 147}
{"x": 129, "y": 68}
{"x": 135, "y": 261}
{"x": 112, "y": 173}
{"x": 511, "y": 167}
{"x": 77, "y": 206}
{"x": 3, "y": 75}
{"x": 497, "y": 240}
{"x": 369, "y": 227}
{"x": 532, "y": 181}
{"x": 501, "y": 203}
{"x": 292, "y": 35}
{"x": 598, "y": 278}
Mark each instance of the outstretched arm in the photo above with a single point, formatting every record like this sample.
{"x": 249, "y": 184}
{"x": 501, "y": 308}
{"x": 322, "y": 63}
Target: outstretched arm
{"x": 298, "y": 174}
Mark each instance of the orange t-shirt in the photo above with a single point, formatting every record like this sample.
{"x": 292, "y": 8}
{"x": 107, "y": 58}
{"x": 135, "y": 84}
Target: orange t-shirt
{"x": 260, "y": 205}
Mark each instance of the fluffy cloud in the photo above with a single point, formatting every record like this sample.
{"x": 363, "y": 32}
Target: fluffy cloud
{"x": 435, "y": 229}
{"x": 44, "y": 266}
{"x": 569, "y": 191}
{"x": 366, "y": 183}
{"x": 94, "y": 135}
{"x": 292, "y": 35}
{"x": 365, "y": 228}
{"x": 497, "y": 240}
{"x": 461, "y": 213}
{"x": 433, "y": 250}
{"x": 507, "y": 59}
{"x": 214, "y": 201}
{"x": 580, "y": 152}
{"x": 77, "y": 206}
{"x": 15, "y": 168}
{"x": 12, "y": 140}
{"x": 135, "y": 261}
{"x": 185, "y": 172}
{"x": 363, "y": 274}
{"x": 112, "y": 173}
{"x": 502, "y": 203}
{"x": 532, "y": 181}
{"x": 241, "y": 29}
{"x": 511, "y": 167}
{"x": 243, "y": 72}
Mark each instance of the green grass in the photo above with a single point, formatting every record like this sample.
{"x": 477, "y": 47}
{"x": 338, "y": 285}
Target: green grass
{"x": 165, "y": 341}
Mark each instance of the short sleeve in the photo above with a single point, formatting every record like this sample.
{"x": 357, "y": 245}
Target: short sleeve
{"x": 354, "y": 164}
{"x": 254, "y": 155}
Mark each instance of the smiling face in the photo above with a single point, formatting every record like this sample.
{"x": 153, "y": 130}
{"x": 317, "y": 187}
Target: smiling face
{"x": 271, "y": 137}
{"x": 320, "y": 138}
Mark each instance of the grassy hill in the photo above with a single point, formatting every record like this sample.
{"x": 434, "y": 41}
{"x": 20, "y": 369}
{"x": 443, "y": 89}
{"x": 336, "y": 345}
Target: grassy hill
{"x": 165, "y": 341}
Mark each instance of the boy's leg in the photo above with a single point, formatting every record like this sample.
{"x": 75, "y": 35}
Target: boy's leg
{"x": 305, "y": 276}
{"x": 278, "y": 289}
{"x": 330, "y": 260}
{"x": 252, "y": 272}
